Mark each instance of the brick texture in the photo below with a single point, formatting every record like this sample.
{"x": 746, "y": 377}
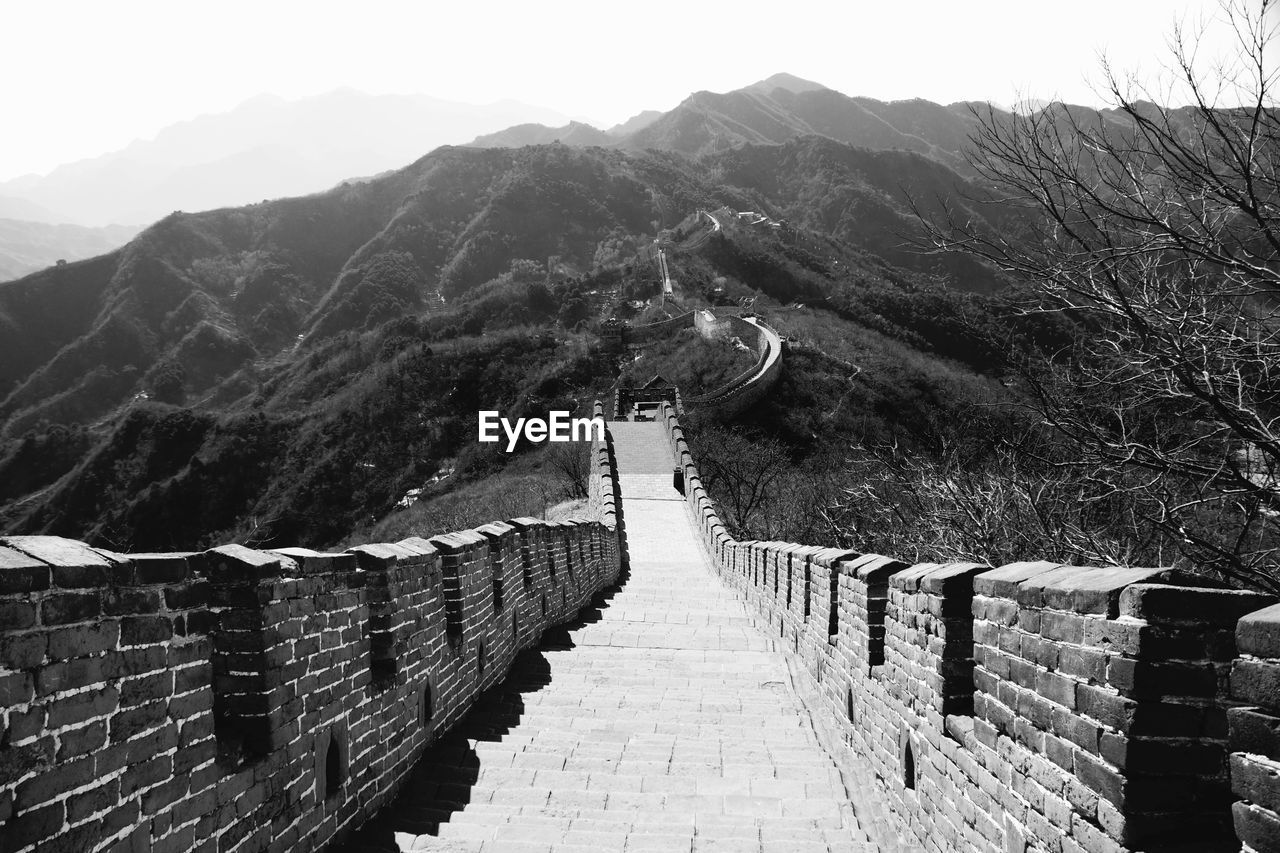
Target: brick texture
{"x": 1031, "y": 706}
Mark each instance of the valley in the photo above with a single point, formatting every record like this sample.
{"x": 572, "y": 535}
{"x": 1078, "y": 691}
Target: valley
{"x": 326, "y": 348}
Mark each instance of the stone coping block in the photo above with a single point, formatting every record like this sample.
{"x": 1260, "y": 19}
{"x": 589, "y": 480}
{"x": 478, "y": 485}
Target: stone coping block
{"x": 1165, "y": 603}
{"x": 1259, "y": 634}
{"x": 873, "y": 568}
{"x": 1257, "y": 779}
{"x": 381, "y": 556}
{"x": 22, "y": 573}
{"x": 937, "y": 578}
{"x": 308, "y": 562}
{"x": 236, "y": 564}
{"x": 457, "y": 541}
{"x": 834, "y": 557}
{"x": 57, "y": 551}
{"x": 1086, "y": 589}
{"x": 1004, "y": 581}
{"x": 146, "y": 569}
{"x": 495, "y": 529}
{"x": 418, "y": 545}
{"x": 1257, "y": 827}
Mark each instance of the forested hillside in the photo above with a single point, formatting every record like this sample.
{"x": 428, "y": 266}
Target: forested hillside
{"x": 288, "y": 371}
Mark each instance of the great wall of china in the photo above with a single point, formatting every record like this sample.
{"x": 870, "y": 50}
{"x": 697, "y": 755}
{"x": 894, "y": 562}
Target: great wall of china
{"x": 239, "y": 701}
{"x": 737, "y": 394}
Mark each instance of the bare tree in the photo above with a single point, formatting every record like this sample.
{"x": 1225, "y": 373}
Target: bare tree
{"x": 571, "y": 464}
{"x": 746, "y": 477}
{"x": 1158, "y": 230}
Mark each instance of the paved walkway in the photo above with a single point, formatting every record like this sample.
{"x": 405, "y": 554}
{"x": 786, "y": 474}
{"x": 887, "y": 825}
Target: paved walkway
{"x": 663, "y": 721}
{"x": 645, "y": 465}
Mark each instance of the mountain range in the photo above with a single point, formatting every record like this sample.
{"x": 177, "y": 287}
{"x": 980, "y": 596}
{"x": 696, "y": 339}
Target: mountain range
{"x": 27, "y": 246}
{"x": 773, "y": 111}
{"x": 269, "y": 148}
{"x": 284, "y": 371}
{"x": 266, "y": 147}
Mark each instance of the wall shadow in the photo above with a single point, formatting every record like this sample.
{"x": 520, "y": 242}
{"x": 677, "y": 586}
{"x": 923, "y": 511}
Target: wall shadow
{"x": 442, "y": 783}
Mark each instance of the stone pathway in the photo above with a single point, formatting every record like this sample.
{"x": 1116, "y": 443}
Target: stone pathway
{"x": 662, "y": 721}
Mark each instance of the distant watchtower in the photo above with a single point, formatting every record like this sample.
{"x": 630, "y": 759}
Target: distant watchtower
{"x": 613, "y": 333}
{"x": 644, "y": 403}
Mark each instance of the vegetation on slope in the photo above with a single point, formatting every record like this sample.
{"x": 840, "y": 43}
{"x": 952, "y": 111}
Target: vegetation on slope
{"x": 285, "y": 373}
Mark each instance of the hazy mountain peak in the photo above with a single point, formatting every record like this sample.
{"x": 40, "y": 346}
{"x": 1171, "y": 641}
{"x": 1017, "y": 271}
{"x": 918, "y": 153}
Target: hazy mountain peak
{"x": 575, "y": 133}
{"x": 782, "y": 80}
{"x": 265, "y": 147}
{"x": 636, "y": 122}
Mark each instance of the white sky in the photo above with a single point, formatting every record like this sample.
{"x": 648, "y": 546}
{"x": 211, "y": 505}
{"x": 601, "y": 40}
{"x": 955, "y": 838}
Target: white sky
{"x": 78, "y": 79}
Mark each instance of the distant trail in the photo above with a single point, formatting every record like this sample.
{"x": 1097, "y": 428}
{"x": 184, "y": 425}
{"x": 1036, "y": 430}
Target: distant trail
{"x": 666, "y": 273}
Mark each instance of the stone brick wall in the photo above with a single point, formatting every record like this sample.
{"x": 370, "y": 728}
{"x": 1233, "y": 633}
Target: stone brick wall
{"x": 243, "y": 700}
{"x": 1030, "y": 707}
{"x": 740, "y": 392}
{"x": 743, "y": 390}
{"x": 1254, "y": 731}
{"x": 650, "y": 332}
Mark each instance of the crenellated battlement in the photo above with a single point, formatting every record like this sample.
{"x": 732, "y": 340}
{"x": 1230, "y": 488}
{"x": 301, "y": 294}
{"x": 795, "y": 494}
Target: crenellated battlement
{"x": 1032, "y": 706}
{"x": 246, "y": 700}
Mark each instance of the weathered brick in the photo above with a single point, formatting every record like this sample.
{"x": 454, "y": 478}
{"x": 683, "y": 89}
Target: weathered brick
{"x": 83, "y": 740}
{"x": 71, "y": 674}
{"x": 34, "y": 826}
{"x": 82, "y": 706}
{"x": 16, "y": 688}
{"x": 23, "y": 651}
{"x": 46, "y": 786}
{"x": 1254, "y": 730}
{"x": 160, "y": 568}
{"x": 187, "y": 595}
{"x": 1258, "y": 633}
{"x": 21, "y": 573}
{"x": 97, "y": 799}
{"x": 138, "y": 630}
{"x": 18, "y": 761}
{"x": 1256, "y": 681}
{"x": 123, "y": 602}
{"x": 1141, "y": 678}
{"x": 140, "y": 776}
{"x": 79, "y": 577}
{"x": 1163, "y": 603}
{"x": 1101, "y": 778}
{"x": 1062, "y": 627}
{"x": 80, "y": 640}
{"x": 134, "y": 691}
{"x": 1106, "y": 707}
{"x": 16, "y": 615}
{"x": 64, "y": 608}
{"x": 1257, "y": 827}
{"x": 1257, "y": 780}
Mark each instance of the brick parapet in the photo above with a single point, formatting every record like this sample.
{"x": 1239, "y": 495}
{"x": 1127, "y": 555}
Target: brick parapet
{"x": 1032, "y": 706}
{"x": 1254, "y": 731}
{"x": 245, "y": 700}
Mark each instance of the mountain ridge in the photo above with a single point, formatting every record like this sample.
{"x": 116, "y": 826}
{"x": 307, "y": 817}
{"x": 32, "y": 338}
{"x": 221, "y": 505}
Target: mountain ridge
{"x": 223, "y": 159}
{"x": 130, "y": 380}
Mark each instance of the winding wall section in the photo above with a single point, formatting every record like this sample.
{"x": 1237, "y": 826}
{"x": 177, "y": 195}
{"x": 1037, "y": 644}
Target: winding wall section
{"x": 744, "y": 390}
